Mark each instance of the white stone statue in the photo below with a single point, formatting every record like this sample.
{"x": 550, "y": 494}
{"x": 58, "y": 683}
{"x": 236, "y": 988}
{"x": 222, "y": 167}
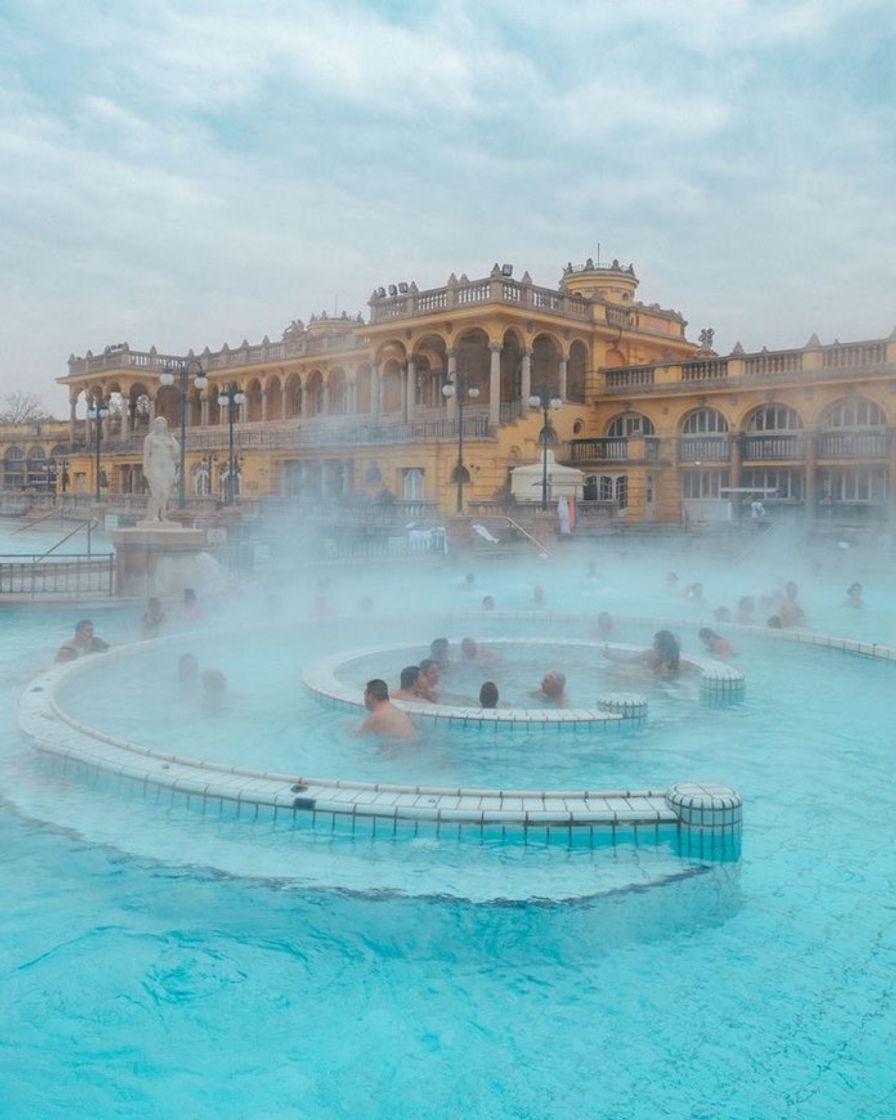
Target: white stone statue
{"x": 161, "y": 456}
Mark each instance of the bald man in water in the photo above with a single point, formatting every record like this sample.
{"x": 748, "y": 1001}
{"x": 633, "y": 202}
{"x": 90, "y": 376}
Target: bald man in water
{"x": 384, "y": 719}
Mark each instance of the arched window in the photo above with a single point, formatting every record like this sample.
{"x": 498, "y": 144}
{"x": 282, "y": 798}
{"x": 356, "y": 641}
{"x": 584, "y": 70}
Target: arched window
{"x": 338, "y": 393}
{"x": 314, "y": 394}
{"x": 412, "y": 485}
{"x": 704, "y": 421}
{"x": 545, "y": 366}
{"x": 575, "y": 372}
{"x": 630, "y": 424}
{"x": 853, "y": 412}
{"x": 774, "y": 418}
{"x": 390, "y": 386}
{"x": 202, "y": 481}
{"x": 14, "y": 468}
{"x": 254, "y": 400}
{"x": 292, "y": 397}
{"x": 275, "y": 399}
{"x": 37, "y": 473}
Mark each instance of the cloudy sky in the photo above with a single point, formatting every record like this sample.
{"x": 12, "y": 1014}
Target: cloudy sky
{"x": 190, "y": 173}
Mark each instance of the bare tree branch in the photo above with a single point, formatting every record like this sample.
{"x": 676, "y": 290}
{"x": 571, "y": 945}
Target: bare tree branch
{"x": 22, "y": 408}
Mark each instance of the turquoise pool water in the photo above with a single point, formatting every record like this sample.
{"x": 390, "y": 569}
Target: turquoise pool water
{"x": 157, "y": 964}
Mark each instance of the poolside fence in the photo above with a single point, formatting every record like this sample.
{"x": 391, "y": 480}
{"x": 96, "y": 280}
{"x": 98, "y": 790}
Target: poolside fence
{"x": 72, "y": 576}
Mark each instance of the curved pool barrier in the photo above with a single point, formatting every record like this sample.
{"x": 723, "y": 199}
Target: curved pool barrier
{"x": 699, "y": 820}
{"x": 615, "y": 710}
{"x": 322, "y": 678}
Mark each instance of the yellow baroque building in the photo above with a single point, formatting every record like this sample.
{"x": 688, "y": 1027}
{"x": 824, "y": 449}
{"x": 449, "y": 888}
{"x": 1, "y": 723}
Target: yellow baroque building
{"x": 660, "y": 426}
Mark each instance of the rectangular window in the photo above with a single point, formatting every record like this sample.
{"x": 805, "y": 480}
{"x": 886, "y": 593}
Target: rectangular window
{"x": 412, "y": 489}
{"x": 703, "y": 483}
{"x": 789, "y": 483}
{"x": 853, "y": 484}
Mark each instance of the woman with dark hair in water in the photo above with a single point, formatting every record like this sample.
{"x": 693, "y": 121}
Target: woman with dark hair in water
{"x": 488, "y": 695}
{"x": 854, "y": 595}
{"x": 663, "y": 657}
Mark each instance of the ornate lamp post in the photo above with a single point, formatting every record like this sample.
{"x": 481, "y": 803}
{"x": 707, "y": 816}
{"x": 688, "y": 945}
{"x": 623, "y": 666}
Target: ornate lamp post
{"x": 98, "y": 410}
{"x": 232, "y": 397}
{"x": 542, "y": 401}
{"x": 167, "y": 377}
{"x": 459, "y": 387}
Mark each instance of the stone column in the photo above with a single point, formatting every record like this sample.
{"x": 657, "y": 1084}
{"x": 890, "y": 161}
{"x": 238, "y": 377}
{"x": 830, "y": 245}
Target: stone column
{"x": 891, "y": 473}
{"x": 264, "y": 403}
{"x": 811, "y": 472}
{"x": 72, "y": 419}
{"x": 526, "y": 387}
{"x": 411, "y": 390}
{"x": 375, "y": 391}
{"x": 734, "y": 462}
{"x": 403, "y": 396}
{"x": 452, "y": 377}
{"x": 494, "y": 385}
{"x": 152, "y": 410}
{"x": 325, "y": 398}
{"x": 564, "y": 361}
{"x": 351, "y": 397}
{"x": 204, "y": 411}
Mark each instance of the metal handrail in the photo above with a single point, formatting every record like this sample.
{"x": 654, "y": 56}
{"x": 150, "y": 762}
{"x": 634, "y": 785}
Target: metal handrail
{"x": 516, "y": 525}
{"x": 89, "y": 523}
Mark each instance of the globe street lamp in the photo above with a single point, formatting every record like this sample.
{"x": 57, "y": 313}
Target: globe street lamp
{"x": 542, "y": 401}
{"x": 98, "y": 410}
{"x": 232, "y": 397}
{"x": 166, "y": 378}
{"x": 462, "y": 391}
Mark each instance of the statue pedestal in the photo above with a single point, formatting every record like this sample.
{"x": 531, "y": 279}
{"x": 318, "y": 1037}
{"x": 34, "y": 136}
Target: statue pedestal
{"x": 162, "y": 558}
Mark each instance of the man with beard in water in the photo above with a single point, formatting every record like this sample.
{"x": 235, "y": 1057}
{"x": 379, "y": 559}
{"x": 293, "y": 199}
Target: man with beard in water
{"x": 384, "y": 719}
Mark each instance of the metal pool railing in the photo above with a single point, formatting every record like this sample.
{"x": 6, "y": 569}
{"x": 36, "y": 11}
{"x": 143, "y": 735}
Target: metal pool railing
{"x": 73, "y": 576}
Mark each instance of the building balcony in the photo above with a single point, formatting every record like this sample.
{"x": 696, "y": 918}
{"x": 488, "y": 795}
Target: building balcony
{"x": 614, "y": 449}
{"x": 497, "y": 288}
{"x": 815, "y": 363}
{"x": 779, "y": 446}
{"x": 853, "y": 444}
{"x": 704, "y": 449}
{"x": 321, "y": 431}
{"x": 295, "y": 345}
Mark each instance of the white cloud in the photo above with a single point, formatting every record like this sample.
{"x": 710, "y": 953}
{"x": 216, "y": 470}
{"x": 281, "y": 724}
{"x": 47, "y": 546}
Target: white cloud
{"x": 187, "y": 174}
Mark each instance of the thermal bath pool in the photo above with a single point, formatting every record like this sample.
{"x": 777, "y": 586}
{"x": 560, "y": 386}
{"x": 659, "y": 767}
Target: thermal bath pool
{"x": 161, "y": 963}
